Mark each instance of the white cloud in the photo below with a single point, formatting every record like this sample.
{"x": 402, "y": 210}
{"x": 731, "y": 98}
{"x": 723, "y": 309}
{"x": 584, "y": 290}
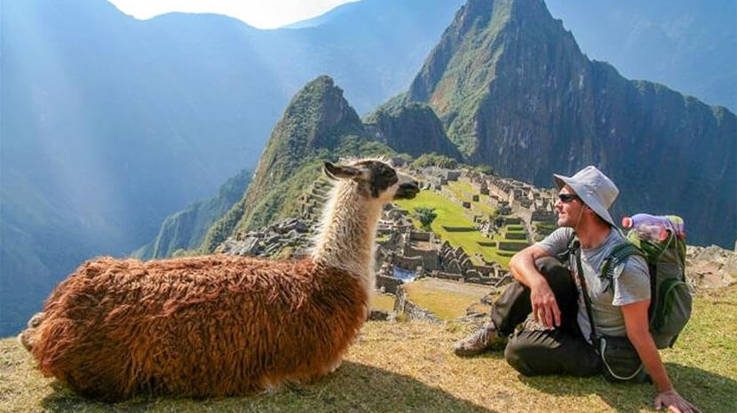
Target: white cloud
{"x": 258, "y": 13}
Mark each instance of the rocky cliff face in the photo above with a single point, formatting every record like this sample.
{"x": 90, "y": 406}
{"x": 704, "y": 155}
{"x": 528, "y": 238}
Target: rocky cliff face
{"x": 411, "y": 128}
{"x": 513, "y": 90}
{"x": 711, "y": 267}
{"x": 185, "y": 230}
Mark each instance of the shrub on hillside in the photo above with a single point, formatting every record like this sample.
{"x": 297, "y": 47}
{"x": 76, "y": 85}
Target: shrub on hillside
{"x": 426, "y": 216}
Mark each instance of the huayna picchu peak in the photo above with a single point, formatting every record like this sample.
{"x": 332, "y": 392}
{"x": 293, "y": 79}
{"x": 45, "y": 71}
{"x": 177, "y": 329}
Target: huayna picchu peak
{"x": 317, "y": 125}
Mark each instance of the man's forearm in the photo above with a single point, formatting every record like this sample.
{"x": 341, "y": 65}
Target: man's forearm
{"x": 542, "y": 299}
{"x": 648, "y": 352}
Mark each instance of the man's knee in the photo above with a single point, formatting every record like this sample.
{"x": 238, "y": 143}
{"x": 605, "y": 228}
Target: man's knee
{"x": 534, "y": 353}
{"x": 551, "y": 266}
{"x": 518, "y": 354}
{"x": 560, "y": 281}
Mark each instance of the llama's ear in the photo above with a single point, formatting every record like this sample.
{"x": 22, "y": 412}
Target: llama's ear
{"x": 338, "y": 172}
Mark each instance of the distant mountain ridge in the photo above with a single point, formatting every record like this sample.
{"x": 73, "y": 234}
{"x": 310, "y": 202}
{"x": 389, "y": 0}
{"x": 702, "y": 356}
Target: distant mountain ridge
{"x": 411, "y": 128}
{"x": 487, "y": 75}
{"x": 514, "y": 91}
{"x": 186, "y": 229}
{"x": 690, "y": 47}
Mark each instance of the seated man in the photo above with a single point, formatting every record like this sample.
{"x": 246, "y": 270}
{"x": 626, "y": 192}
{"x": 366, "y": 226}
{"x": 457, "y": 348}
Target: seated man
{"x": 556, "y": 337}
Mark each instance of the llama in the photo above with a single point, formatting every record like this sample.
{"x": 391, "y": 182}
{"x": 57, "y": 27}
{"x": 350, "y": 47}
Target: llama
{"x": 220, "y": 325}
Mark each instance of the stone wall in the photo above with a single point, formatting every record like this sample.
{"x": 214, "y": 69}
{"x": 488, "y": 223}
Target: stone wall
{"x": 402, "y": 305}
{"x": 408, "y": 263}
{"x": 480, "y": 280}
{"x": 487, "y": 270}
{"x": 515, "y": 235}
{"x": 421, "y": 236}
{"x": 388, "y": 284}
{"x": 711, "y": 267}
{"x": 447, "y": 275}
{"x": 544, "y": 216}
{"x": 512, "y": 246}
{"x": 459, "y": 229}
{"x": 430, "y": 258}
{"x": 284, "y": 239}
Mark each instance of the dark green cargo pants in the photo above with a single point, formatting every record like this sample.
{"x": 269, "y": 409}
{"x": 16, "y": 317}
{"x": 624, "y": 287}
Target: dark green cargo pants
{"x": 536, "y": 351}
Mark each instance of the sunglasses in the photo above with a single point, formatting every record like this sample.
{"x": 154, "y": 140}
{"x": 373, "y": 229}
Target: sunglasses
{"x": 566, "y": 198}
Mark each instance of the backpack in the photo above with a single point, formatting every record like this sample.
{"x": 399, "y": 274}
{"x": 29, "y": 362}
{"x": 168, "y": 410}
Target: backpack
{"x": 670, "y": 295}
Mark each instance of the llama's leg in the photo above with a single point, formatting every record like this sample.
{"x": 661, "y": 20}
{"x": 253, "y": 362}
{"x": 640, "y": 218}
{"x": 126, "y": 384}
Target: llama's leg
{"x": 27, "y": 337}
{"x": 335, "y": 365}
{"x": 36, "y": 320}
{"x": 314, "y": 376}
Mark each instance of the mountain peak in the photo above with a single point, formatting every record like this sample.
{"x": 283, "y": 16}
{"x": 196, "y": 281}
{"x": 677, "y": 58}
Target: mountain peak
{"x": 511, "y": 86}
{"x": 316, "y": 121}
{"x": 316, "y": 116}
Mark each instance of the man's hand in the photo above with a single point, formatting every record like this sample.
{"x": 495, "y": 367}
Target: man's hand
{"x": 674, "y": 403}
{"x": 544, "y": 307}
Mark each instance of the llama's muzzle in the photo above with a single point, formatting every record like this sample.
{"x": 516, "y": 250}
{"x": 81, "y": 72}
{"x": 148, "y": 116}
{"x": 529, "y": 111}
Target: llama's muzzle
{"x": 407, "y": 190}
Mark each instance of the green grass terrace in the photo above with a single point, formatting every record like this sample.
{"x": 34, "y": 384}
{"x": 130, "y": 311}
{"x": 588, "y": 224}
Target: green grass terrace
{"x": 452, "y": 215}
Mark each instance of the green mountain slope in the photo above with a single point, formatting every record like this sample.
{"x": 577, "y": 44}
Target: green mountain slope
{"x": 317, "y": 125}
{"x": 186, "y": 229}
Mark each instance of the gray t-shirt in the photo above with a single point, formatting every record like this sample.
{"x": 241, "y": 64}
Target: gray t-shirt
{"x": 631, "y": 282}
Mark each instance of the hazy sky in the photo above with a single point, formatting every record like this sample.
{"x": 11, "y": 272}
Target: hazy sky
{"x": 264, "y": 14}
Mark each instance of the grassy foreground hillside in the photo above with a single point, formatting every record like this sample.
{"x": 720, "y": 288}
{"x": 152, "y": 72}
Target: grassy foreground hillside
{"x": 408, "y": 366}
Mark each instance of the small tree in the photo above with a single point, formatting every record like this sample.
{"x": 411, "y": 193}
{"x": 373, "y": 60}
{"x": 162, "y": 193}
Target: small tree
{"x": 426, "y": 216}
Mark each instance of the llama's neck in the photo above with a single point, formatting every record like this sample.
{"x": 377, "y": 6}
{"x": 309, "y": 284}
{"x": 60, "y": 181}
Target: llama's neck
{"x": 347, "y": 232}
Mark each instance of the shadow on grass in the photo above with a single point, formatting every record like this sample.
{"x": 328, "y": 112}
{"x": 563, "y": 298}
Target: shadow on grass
{"x": 354, "y": 387}
{"x": 710, "y": 392}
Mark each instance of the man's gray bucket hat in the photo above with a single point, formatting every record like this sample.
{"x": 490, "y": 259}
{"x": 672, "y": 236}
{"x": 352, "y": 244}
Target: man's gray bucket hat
{"x": 594, "y": 188}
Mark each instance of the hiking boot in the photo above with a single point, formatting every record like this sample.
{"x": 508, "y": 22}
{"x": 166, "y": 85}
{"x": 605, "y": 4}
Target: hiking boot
{"x": 485, "y": 338}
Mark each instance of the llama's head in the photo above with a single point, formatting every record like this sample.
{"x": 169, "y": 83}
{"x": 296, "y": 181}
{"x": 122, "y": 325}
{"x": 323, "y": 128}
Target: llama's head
{"x": 375, "y": 180}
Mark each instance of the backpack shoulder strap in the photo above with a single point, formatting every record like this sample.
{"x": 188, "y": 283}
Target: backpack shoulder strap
{"x": 576, "y": 251}
{"x": 618, "y": 255}
{"x": 570, "y": 249}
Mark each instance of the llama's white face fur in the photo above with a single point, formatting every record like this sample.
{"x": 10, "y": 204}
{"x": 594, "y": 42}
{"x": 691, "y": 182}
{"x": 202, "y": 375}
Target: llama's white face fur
{"x": 375, "y": 180}
{"x": 348, "y": 227}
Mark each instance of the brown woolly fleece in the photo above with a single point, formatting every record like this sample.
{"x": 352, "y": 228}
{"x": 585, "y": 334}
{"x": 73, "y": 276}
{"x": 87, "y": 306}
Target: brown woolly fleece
{"x": 202, "y": 326}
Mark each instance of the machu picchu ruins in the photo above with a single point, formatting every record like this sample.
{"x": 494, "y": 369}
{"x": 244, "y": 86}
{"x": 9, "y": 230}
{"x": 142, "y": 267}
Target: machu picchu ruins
{"x": 503, "y": 215}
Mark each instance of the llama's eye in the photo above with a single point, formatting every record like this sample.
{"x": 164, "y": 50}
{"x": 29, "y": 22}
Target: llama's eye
{"x": 388, "y": 173}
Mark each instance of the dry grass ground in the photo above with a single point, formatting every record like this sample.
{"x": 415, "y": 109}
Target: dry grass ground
{"x": 383, "y": 302}
{"x": 446, "y": 299}
{"x": 408, "y": 367}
